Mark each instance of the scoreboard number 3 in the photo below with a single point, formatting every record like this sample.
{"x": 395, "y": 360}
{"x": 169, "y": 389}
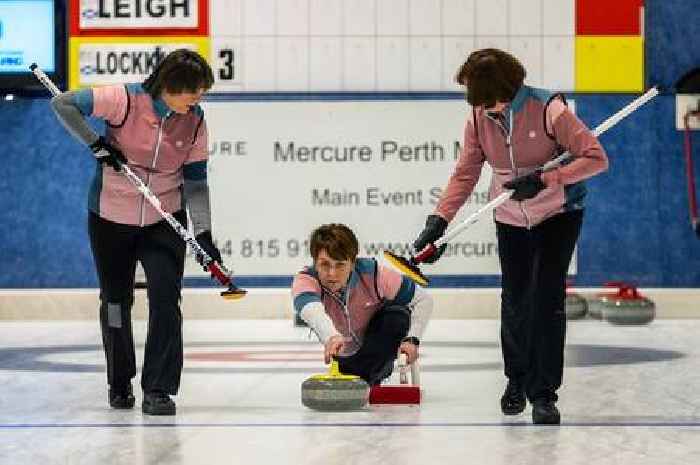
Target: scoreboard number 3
{"x": 227, "y": 71}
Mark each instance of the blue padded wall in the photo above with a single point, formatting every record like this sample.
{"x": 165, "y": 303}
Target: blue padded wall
{"x": 672, "y": 44}
{"x": 637, "y": 226}
{"x": 43, "y": 198}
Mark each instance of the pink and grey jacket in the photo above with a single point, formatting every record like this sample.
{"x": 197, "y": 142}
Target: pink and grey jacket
{"x": 370, "y": 287}
{"x": 536, "y": 125}
{"x": 163, "y": 148}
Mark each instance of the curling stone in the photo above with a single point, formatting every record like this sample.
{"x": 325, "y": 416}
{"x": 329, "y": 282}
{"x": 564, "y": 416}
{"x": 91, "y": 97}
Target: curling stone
{"x": 575, "y": 306}
{"x": 334, "y": 391}
{"x": 595, "y": 305}
{"x": 628, "y": 307}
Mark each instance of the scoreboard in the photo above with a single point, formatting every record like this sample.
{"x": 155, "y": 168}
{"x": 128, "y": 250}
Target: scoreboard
{"x": 360, "y": 45}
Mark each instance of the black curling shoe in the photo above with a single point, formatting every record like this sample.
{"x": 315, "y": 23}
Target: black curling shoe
{"x": 121, "y": 398}
{"x": 157, "y": 403}
{"x": 544, "y": 412}
{"x": 513, "y": 399}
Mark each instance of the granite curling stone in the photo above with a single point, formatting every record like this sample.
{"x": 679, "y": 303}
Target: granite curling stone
{"x": 596, "y": 304}
{"x": 334, "y": 392}
{"x": 628, "y": 307}
{"x": 575, "y": 306}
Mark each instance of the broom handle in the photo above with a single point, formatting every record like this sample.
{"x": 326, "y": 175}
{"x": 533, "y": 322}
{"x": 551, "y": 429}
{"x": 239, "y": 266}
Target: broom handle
{"x": 600, "y": 129}
{"x": 217, "y": 270}
{"x": 415, "y": 373}
{"x": 403, "y": 368}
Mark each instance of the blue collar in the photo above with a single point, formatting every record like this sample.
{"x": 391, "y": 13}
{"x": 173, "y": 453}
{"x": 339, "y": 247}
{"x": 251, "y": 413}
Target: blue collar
{"x": 520, "y": 97}
{"x": 160, "y": 108}
{"x": 354, "y": 277}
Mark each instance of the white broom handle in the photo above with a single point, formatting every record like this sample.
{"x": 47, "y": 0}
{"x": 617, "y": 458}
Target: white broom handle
{"x": 600, "y": 129}
{"x": 403, "y": 368}
{"x": 415, "y": 373}
{"x": 608, "y": 123}
{"x": 44, "y": 79}
{"x": 473, "y": 218}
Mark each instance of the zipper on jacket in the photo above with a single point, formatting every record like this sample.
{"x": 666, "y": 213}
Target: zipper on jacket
{"x": 500, "y": 126}
{"x": 153, "y": 165}
{"x": 346, "y": 312}
{"x": 509, "y": 146}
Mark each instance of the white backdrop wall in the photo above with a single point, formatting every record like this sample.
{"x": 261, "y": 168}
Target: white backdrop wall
{"x": 279, "y": 169}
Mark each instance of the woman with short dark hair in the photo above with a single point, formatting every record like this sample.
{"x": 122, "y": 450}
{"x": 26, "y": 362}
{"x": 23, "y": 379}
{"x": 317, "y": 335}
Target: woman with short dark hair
{"x": 363, "y": 313}
{"x": 516, "y": 129}
{"x": 493, "y": 76}
{"x": 158, "y": 129}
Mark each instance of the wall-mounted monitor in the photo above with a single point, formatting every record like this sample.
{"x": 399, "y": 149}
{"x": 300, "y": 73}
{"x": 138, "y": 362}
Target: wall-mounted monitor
{"x": 31, "y": 31}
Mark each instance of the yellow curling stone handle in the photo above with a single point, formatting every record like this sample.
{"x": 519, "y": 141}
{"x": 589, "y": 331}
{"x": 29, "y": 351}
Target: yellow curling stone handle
{"x": 334, "y": 374}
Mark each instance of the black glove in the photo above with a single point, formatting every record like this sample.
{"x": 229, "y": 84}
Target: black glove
{"x": 527, "y": 186}
{"x": 697, "y": 229}
{"x": 435, "y": 226}
{"x": 106, "y": 153}
{"x": 205, "y": 241}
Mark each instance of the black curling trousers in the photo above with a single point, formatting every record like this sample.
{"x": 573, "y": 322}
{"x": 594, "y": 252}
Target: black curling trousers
{"x": 374, "y": 360}
{"x": 534, "y": 264}
{"x": 116, "y": 248}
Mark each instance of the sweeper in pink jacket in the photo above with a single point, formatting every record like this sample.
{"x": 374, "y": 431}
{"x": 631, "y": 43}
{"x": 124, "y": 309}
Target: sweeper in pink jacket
{"x": 158, "y": 129}
{"x": 516, "y": 129}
